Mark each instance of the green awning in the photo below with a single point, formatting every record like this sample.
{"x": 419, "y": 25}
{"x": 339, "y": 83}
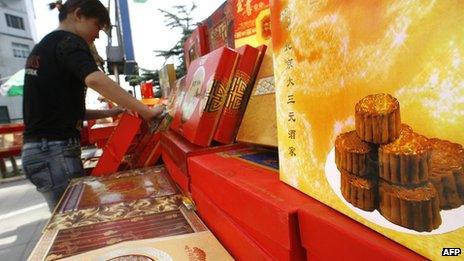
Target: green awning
{"x": 14, "y": 85}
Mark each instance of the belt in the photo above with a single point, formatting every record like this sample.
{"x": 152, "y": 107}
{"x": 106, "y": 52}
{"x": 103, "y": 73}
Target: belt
{"x": 36, "y": 139}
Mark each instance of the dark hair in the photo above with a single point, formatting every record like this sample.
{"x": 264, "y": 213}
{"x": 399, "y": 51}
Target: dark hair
{"x": 88, "y": 8}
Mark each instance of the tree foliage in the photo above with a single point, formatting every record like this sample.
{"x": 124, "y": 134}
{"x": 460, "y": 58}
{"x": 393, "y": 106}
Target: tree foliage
{"x": 180, "y": 18}
{"x": 145, "y": 75}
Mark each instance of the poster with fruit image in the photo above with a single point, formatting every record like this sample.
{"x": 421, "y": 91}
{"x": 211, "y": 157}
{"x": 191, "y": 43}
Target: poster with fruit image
{"x": 370, "y": 113}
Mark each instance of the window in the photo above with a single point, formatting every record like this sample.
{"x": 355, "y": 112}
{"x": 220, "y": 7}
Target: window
{"x": 14, "y": 21}
{"x": 20, "y": 50}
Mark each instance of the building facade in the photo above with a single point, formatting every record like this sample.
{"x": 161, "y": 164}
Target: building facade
{"x": 16, "y": 35}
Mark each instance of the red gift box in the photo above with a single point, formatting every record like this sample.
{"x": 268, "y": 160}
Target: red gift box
{"x": 181, "y": 178}
{"x": 196, "y": 45}
{"x": 240, "y": 90}
{"x": 220, "y": 27}
{"x": 99, "y": 133}
{"x": 328, "y": 234}
{"x": 175, "y": 152}
{"x": 239, "y": 244}
{"x": 266, "y": 208}
{"x": 146, "y": 90}
{"x": 251, "y": 194}
{"x": 207, "y": 84}
{"x": 117, "y": 145}
{"x": 147, "y": 151}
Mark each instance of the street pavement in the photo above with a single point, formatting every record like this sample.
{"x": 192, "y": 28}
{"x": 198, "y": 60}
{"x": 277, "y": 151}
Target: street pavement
{"x": 23, "y": 215}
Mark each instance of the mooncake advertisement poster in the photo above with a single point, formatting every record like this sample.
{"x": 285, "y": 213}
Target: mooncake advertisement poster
{"x": 370, "y": 113}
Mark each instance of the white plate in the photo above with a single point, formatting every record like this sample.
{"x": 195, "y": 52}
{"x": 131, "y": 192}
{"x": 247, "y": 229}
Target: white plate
{"x": 450, "y": 219}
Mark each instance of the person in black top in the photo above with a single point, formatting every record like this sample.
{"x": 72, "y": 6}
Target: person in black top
{"x": 58, "y": 70}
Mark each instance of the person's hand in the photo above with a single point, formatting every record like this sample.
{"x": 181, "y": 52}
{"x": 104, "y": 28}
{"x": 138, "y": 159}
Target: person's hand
{"x": 154, "y": 113}
{"x": 116, "y": 111}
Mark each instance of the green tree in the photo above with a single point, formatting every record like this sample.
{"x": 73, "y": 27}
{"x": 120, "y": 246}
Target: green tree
{"x": 180, "y": 18}
{"x": 145, "y": 75}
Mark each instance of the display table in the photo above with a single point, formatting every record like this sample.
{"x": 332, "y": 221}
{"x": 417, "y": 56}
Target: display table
{"x": 11, "y": 127}
{"x": 10, "y": 144}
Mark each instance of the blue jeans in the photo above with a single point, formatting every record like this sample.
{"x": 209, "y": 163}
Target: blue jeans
{"x": 50, "y": 165}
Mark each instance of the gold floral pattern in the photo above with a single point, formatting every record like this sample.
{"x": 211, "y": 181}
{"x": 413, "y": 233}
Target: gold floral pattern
{"x": 114, "y": 212}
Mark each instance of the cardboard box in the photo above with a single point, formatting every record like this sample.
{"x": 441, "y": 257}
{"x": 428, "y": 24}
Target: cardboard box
{"x": 328, "y": 57}
{"x": 250, "y": 194}
{"x": 196, "y": 45}
{"x": 220, "y": 26}
{"x": 208, "y": 81}
{"x": 167, "y": 79}
{"x": 238, "y": 95}
{"x": 175, "y": 152}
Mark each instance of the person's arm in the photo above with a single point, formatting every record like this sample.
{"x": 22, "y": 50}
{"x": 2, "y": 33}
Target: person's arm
{"x": 108, "y": 88}
{"x": 100, "y": 114}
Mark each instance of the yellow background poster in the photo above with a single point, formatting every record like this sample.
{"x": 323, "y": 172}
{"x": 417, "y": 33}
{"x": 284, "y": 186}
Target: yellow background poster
{"x": 328, "y": 55}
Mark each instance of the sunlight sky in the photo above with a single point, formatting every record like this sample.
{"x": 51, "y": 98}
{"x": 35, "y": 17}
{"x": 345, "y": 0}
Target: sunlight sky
{"x": 148, "y": 28}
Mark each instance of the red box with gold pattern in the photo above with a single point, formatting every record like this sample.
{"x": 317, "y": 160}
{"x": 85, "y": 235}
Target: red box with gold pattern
{"x": 206, "y": 87}
{"x": 220, "y": 27}
{"x": 175, "y": 152}
{"x": 196, "y": 45}
{"x": 147, "y": 151}
{"x": 252, "y": 195}
{"x": 239, "y": 92}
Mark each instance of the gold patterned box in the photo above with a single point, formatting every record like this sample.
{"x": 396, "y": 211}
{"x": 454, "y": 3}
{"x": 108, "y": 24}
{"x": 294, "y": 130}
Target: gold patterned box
{"x": 258, "y": 124}
{"x": 189, "y": 247}
{"x": 125, "y": 186}
{"x": 167, "y": 79}
{"x": 97, "y": 236}
{"x": 370, "y": 113}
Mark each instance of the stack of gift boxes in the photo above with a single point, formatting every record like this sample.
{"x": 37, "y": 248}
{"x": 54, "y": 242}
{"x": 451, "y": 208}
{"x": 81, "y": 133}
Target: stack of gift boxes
{"x": 228, "y": 96}
{"x": 220, "y": 114}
